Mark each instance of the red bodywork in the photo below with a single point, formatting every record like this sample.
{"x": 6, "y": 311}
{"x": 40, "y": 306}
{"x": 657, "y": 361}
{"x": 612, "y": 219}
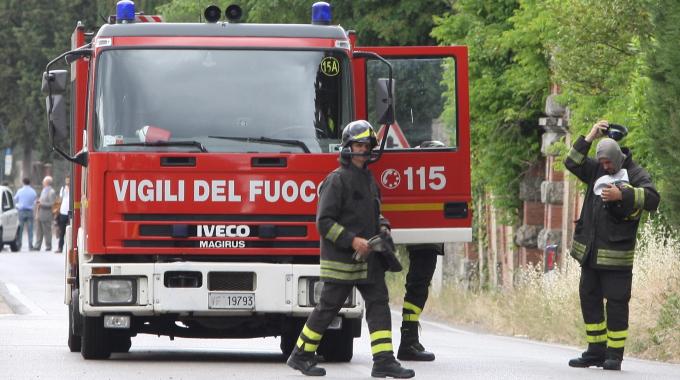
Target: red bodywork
{"x": 110, "y": 229}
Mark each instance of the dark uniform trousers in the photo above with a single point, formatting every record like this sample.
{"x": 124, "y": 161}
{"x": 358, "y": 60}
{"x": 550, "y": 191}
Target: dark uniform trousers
{"x": 615, "y": 287}
{"x": 333, "y": 296}
{"x": 420, "y": 271}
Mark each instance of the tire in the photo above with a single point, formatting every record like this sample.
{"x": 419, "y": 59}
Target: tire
{"x": 74, "y": 339}
{"x": 290, "y": 334}
{"x": 120, "y": 343}
{"x": 14, "y": 246}
{"x": 95, "y": 342}
{"x": 338, "y": 345}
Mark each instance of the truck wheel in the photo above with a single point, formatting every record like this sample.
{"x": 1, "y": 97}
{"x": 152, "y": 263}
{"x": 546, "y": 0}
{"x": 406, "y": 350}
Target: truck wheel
{"x": 120, "y": 343}
{"x": 338, "y": 345}
{"x": 74, "y": 341}
{"x": 14, "y": 245}
{"x": 290, "y": 334}
{"x": 95, "y": 343}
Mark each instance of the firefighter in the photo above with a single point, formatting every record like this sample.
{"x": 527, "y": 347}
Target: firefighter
{"x": 422, "y": 263}
{"x": 619, "y": 190}
{"x": 348, "y": 214}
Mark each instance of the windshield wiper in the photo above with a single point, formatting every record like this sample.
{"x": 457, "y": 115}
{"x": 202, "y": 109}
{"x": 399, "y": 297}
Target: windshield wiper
{"x": 167, "y": 143}
{"x": 266, "y": 140}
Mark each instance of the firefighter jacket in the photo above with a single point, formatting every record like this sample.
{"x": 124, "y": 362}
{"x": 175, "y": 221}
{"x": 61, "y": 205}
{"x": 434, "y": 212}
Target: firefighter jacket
{"x": 349, "y": 206}
{"x": 605, "y": 234}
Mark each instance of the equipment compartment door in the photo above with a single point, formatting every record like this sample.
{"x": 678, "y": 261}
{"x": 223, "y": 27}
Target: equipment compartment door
{"x": 424, "y": 173}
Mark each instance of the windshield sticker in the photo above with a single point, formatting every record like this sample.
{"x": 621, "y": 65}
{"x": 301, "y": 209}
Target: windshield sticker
{"x": 112, "y": 140}
{"x": 330, "y": 66}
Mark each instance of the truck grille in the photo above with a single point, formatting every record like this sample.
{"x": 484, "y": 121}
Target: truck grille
{"x": 231, "y": 281}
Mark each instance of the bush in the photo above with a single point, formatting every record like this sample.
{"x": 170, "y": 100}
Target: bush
{"x": 546, "y": 306}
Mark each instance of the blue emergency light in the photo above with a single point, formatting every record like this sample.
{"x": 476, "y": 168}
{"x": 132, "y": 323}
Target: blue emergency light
{"x": 321, "y": 13}
{"x": 125, "y": 11}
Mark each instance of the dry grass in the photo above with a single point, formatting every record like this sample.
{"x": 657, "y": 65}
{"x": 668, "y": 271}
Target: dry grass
{"x": 546, "y": 307}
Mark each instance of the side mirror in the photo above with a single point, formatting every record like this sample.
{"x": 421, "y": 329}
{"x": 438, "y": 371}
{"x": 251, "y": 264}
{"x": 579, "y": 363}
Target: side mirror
{"x": 384, "y": 101}
{"x": 56, "y": 118}
{"x": 56, "y": 79}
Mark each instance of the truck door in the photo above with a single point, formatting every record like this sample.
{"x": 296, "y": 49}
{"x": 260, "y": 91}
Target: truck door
{"x": 424, "y": 172}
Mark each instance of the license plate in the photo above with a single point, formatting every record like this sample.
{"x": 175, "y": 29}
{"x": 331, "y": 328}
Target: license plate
{"x": 243, "y": 301}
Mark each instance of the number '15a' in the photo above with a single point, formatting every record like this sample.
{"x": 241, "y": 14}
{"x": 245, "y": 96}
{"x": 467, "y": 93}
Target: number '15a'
{"x": 433, "y": 178}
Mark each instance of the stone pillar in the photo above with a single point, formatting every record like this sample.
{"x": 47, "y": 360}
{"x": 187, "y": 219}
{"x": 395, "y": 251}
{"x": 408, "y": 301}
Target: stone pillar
{"x": 526, "y": 236}
{"x": 552, "y": 189}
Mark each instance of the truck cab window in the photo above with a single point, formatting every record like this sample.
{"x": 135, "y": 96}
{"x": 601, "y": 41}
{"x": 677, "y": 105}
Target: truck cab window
{"x": 425, "y": 103}
{"x": 303, "y": 96}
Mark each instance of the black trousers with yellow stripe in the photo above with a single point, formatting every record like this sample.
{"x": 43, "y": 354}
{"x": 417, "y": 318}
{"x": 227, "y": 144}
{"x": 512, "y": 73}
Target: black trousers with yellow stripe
{"x": 605, "y": 325}
{"x": 422, "y": 263}
{"x": 333, "y": 295}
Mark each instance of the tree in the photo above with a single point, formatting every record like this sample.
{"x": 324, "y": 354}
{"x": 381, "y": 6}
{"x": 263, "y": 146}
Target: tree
{"x": 663, "y": 102}
{"x": 508, "y": 84}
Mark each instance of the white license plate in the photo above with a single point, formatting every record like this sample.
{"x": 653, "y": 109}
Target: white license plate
{"x": 243, "y": 301}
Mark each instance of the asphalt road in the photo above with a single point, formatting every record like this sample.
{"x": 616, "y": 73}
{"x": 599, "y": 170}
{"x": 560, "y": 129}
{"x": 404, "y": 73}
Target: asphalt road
{"x": 33, "y": 333}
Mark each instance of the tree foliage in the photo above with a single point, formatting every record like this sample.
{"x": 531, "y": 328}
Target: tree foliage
{"x": 663, "y": 104}
{"x": 509, "y": 81}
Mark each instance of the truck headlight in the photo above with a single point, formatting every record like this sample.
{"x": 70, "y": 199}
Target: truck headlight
{"x": 310, "y": 292}
{"x": 114, "y": 291}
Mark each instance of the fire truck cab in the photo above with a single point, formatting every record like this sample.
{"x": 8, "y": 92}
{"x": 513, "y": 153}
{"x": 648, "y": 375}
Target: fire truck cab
{"x": 198, "y": 150}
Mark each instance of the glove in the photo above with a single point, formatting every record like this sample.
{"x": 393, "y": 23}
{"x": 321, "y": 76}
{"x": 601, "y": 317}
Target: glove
{"x": 383, "y": 244}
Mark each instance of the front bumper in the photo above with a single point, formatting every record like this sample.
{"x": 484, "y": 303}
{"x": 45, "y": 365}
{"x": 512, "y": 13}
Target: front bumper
{"x": 277, "y": 289}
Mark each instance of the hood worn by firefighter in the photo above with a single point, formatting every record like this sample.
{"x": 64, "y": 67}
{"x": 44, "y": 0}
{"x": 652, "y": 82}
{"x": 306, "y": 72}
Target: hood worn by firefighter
{"x": 619, "y": 191}
{"x": 348, "y": 215}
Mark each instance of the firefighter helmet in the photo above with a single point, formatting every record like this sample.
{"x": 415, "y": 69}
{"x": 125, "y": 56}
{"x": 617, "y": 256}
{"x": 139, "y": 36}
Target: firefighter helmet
{"x": 359, "y": 131}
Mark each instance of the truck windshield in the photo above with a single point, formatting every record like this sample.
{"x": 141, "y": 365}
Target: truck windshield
{"x": 250, "y": 98}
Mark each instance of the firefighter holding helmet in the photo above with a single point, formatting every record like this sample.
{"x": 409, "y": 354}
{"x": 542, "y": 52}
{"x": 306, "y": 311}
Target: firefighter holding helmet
{"x": 348, "y": 214}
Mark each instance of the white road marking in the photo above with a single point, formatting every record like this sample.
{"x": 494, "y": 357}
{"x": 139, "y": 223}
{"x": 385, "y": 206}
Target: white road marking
{"x": 30, "y": 305}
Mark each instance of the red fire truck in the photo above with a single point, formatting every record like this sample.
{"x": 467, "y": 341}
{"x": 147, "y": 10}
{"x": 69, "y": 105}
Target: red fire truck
{"x": 198, "y": 150}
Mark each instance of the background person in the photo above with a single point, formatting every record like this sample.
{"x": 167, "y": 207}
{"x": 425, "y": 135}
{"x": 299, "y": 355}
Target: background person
{"x": 604, "y": 241}
{"x": 25, "y": 200}
{"x": 44, "y": 216}
{"x": 63, "y": 215}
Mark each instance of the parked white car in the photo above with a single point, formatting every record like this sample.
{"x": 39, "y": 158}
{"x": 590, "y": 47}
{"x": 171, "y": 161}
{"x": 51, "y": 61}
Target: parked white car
{"x": 9, "y": 220}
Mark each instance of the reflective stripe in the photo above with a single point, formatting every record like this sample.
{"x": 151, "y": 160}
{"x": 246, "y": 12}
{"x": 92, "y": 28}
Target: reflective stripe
{"x": 414, "y": 308}
{"x": 345, "y": 267}
{"x": 578, "y": 250}
{"x": 596, "y": 326}
{"x": 382, "y": 347}
{"x": 639, "y": 202}
{"x": 381, "y": 334}
{"x": 307, "y": 347}
{"x": 616, "y": 258}
{"x": 576, "y": 156}
{"x": 334, "y": 232}
{"x": 596, "y": 338}
{"x": 411, "y": 317}
{"x": 344, "y": 271}
{"x": 617, "y": 334}
{"x": 363, "y": 134}
{"x": 311, "y": 334}
{"x": 330, "y": 273}
{"x": 616, "y": 343}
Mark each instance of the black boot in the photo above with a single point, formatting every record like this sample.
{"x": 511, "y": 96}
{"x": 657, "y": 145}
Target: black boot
{"x": 409, "y": 347}
{"x": 305, "y": 362}
{"x": 390, "y": 367}
{"x": 593, "y": 356}
{"x": 613, "y": 360}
